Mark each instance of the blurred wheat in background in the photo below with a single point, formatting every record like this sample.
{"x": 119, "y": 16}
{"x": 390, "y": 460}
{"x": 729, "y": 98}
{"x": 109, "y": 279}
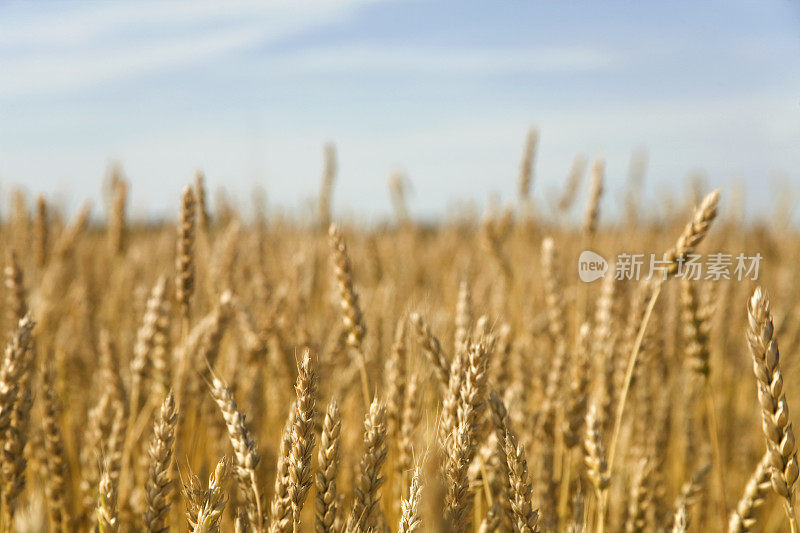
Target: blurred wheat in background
{"x": 232, "y": 373}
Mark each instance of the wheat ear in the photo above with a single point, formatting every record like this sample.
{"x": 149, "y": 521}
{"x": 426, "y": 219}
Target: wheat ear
{"x": 526, "y": 164}
{"x": 203, "y": 219}
{"x": 57, "y": 479}
{"x": 694, "y": 232}
{"x": 245, "y": 456}
{"x": 15, "y": 415}
{"x": 595, "y": 460}
{"x": 352, "y": 319}
{"x": 16, "y": 301}
{"x": 680, "y": 520}
{"x": 280, "y": 513}
{"x": 396, "y": 381}
{"x": 159, "y": 344}
{"x": 526, "y": 517}
{"x": 328, "y": 465}
{"x": 326, "y": 188}
{"x": 116, "y": 223}
{"x": 366, "y": 491}
{"x": 410, "y": 419}
{"x": 107, "y": 520}
{"x": 604, "y": 353}
{"x": 690, "y": 493}
{"x": 410, "y": 519}
{"x": 463, "y": 317}
{"x": 41, "y": 232}
{"x": 145, "y": 341}
{"x": 108, "y": 488}
{"x": 241, "y": 523}
{"x": 500, "y": 425}
{"x": 775, "y": 419}
{"x": 206, "y": 506}
{"x": 755, "y": 492}
{"x": 578, "y": 390}
{"x": 302, "y": 447}
{"x": 574, "y": 177}
{"x": 640, "y": 498}
{"x": 158, "y": 490}
{"x": 397, "y": 189}
{"x": 460, "y": 441}
{"x": 592, "y": 207}
{"x": 433, "y": 349}
{"x": 184, "y": 260}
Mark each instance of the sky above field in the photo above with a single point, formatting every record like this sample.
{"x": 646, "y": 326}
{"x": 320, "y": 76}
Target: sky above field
{"x": 249, "y": 92}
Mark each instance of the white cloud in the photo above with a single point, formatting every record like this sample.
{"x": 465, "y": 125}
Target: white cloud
{"x": 433, "y": 59}
{"x": 50, "y": 53}
{"x": 84, "y": 45}
{"x": 53, "y": 73}
{"x": 79, "y": 23}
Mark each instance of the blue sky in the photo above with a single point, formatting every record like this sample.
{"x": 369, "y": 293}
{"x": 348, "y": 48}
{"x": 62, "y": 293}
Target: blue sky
{"x": 443, "y": 91}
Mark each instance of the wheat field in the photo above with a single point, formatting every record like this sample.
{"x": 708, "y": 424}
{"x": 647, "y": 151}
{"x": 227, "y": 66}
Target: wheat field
{"x": 219, "y": 372}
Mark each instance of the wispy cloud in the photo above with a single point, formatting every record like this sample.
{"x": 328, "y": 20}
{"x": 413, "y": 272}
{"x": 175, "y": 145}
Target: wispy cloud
{"x": 430, "y": 59}
{"x": 53, "y": 73}
{"x": 72, "y": 24}
{"x": 48, "y": 53}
